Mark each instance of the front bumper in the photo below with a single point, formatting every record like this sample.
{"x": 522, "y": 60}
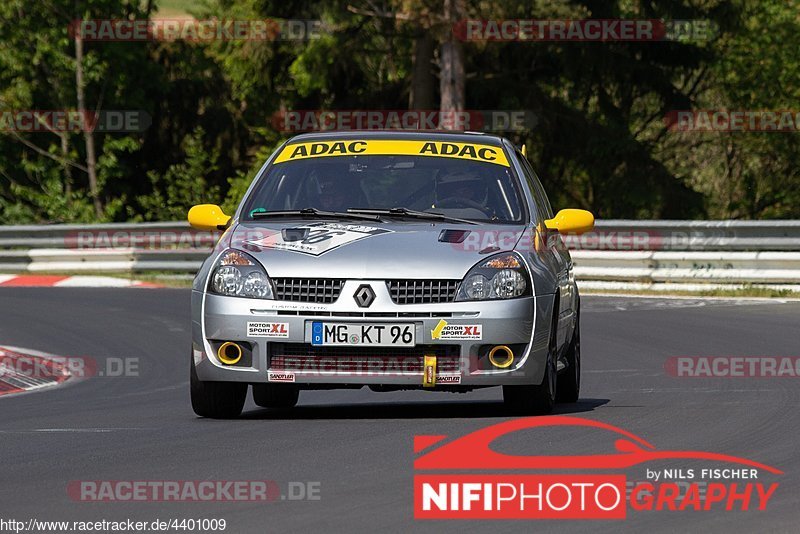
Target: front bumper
{"x": 282, "y": 351}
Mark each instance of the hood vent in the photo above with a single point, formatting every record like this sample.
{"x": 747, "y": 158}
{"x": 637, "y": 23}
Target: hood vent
{"x": 453, "y": 236}
{"x": 294, "y": 234}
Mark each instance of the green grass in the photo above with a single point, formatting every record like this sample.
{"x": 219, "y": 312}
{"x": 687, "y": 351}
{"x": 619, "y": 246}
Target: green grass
{"x": 745, "y": 292}
{"x": 183, "y": 280}
{"x": 165, "y": 278}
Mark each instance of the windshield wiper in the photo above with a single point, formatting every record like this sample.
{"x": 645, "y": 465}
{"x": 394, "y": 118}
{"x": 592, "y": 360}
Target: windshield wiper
{"x": 314, "y": 212}
{"x": 405, "y": 212}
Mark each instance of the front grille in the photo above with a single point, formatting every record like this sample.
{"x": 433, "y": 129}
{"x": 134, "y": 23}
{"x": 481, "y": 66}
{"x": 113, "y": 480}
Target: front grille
{"x": 422, "y": 291}
{"x": 301, "y": 357}
{"x": 319, "y": 290}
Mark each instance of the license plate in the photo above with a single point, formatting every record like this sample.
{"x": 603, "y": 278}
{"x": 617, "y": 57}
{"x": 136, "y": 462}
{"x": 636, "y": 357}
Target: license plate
{"x": 355, "y": 334}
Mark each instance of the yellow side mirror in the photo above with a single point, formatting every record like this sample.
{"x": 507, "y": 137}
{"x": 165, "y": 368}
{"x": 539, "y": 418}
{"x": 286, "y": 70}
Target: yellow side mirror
{"x": 208, "y": 217}
{"x": 571, "y": 221}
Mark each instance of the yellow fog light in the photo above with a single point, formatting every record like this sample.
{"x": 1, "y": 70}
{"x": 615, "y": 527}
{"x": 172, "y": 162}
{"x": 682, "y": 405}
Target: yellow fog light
{"x": 229, "y": 353}
{"x": 501, "y": 356}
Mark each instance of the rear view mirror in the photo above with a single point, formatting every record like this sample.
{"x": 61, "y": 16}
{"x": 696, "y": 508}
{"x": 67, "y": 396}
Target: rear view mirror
{"x": 208, "y": 217}
{"x": 571, "y": 221}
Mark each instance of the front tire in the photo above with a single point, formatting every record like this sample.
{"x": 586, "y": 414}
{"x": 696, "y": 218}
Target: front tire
{"x": 216, "y": 400}
{"x": 536, "y": 399}
{"x": 275, "y": 395}
{"x": 569, "y": 382}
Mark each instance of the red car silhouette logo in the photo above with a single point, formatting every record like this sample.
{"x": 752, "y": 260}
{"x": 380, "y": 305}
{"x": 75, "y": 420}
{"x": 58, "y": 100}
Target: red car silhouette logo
{"x": 473, "y": 451}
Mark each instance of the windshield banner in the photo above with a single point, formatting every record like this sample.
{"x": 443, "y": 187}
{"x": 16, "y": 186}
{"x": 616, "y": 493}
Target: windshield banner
{"x": 384, "y": 147}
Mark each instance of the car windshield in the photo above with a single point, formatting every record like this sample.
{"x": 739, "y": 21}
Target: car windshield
{"x": 458, "y": 188}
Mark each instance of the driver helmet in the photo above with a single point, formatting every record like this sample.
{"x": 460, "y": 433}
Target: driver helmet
{"x": 460, "y": 184}
{"x": 332, "y": 194}
{"x": 336, "y": 189}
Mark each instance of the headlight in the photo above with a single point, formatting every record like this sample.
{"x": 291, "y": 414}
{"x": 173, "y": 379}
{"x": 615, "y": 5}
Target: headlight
{"x": 237, "y": 274}
{"x": 499, "y": 277}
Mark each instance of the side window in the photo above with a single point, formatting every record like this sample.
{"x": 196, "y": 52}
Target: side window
{"x": 535, "y": 187}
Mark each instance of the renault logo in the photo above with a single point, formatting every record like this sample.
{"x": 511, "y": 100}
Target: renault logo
{"x": 364, "y": 296}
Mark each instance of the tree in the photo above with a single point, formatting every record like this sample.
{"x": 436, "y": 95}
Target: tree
{"x": 43, "y": 68}
{"x": 600, "y": 140}
{"x": 747, "y": 174}
{"x": 451, "y": 60}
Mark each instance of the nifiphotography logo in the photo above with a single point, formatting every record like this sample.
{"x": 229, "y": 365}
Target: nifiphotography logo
{"x": 465, "y": 478}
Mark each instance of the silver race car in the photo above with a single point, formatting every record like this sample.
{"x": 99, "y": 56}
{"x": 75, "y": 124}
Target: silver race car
{"x": 394, "y": 260}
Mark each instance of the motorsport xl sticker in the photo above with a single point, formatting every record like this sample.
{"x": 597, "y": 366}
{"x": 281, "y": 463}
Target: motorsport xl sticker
{"x": 457, "y": 331}
{"x": 501, "y": 485}
{"x": 320, "y": 238}
{"x": 277, "y": 330}
{"x": 388, "y": 147}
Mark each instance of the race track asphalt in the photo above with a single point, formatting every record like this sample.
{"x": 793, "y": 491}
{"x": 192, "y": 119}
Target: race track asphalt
{"x": 358, "y": 444}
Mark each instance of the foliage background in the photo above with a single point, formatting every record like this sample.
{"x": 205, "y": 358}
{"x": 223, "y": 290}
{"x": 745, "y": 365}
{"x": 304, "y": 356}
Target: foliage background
{"x": 600, "y": 142}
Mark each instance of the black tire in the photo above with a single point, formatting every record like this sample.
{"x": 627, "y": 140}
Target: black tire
{"x": 275, "y": 395}
{"x": 217, "y": 400}
{"x": 536, "y": 399}
{"x": 569, "y": 381}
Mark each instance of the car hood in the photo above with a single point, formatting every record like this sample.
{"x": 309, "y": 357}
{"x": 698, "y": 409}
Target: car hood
{"x": 371, "y": 249}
